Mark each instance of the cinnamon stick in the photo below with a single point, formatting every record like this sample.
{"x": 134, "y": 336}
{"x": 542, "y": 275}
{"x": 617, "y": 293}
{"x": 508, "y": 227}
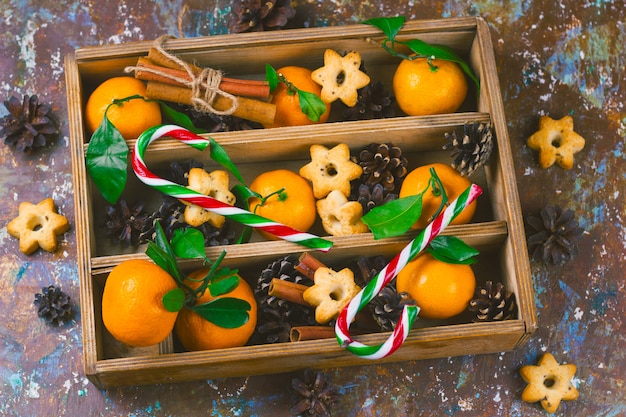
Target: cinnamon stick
{"x": 162, "y": 60}
{"x": 288, "y": 291}
{"x": 249, "y": 109}
{"x": 153, "y": 72}
{"x": 307, "y": 265}
{"x": 302, "y": 333}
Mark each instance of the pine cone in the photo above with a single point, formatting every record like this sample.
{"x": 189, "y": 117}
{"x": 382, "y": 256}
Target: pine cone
{"x": 556, "y": 235}
{"x": 493, "y": 303}
{"x": 53, "y": 305}
{"x": 213, "y": 123}
{"x": 256, "y": 15}
{"x": 317, "y": 394}
{"x": 272, "y": 327}
{"x": 384, "y": 168}
{"x": 373, "y": 197}
{"x": 473, "y": 150}
{"x": 28, "y": 125}
{"x": 170, "y": 215}
{"x": 374, "y": 102}
{"x": 124, "y": 224}
{"x": 387, "y": 306}
{"x": 383, "y": 164}
{"x": 365, "y": 268}
{"x": 290, "y": 313}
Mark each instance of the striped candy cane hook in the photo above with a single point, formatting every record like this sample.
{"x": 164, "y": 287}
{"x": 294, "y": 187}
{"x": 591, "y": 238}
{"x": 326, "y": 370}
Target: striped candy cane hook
{"x": 409, "y": 313}
{"x": 185, "y": 194}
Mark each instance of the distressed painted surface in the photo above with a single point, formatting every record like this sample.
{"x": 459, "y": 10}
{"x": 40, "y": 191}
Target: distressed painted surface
{"x": 554, "y": 58}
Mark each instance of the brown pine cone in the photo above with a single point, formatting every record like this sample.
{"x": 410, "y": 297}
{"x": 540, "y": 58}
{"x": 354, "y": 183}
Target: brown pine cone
{"x": 555, "y": 235}
{"x": 29, "y": 125}
{"x": 256, "y": 15}
{"x": 274, "y": 327}
{"x": 373, "y": 102}
{"x": 53, "y": 305}
{"x": 493, "y": 303}
{"x": 383, "y": 163}
{"x": 473, "y": 149}
{"x": 317, "y": 395}
{"x": 387, "y": 306}
{"x": 125, "y": 224}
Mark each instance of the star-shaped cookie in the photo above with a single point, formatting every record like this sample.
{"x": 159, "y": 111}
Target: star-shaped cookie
{"x": 37, "y": 226}
{"x": 331, "y": 292}
{"x": 214, "y": 184}
{"x": 556, "y": 141}
{"x": 341, "y": 217}
{"x": 330, "y": 170}
{"x": 340, "y": 77}
{"x": 549, "y": 383}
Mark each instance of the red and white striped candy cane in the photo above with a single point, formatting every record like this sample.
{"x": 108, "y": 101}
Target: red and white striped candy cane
{"x": 185, "y": 194}
{"x": 409, "y": 313}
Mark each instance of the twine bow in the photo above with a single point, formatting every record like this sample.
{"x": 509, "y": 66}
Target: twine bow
{"x": 204, "y": 85}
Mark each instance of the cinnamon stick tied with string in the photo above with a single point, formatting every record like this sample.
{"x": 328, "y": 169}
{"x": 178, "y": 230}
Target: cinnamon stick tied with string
{"x": 172, "y": 79}
{"x": 147, "y": 70}
{"x": 248, "y": 109}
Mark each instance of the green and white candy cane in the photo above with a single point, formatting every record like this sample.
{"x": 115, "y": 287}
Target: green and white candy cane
{"x": 409, "y": 313}
{"x": 185, "y": 194}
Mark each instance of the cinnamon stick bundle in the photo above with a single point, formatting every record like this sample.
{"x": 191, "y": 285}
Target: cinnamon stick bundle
{"x": 249, "y": 109}
{"x": 149, "y": 71}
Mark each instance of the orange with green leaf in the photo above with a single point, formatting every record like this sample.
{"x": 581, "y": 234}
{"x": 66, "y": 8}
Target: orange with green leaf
{"x": 431, "y": 79}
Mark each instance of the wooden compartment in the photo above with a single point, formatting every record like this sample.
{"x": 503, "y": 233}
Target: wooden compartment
{"x": 496, "y": 230}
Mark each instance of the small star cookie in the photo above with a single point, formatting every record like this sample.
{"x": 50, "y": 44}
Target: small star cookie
{"x": 341, "y": 217}
{"x": 548, "y": 382}
{"x": 556, "y": 141}
{"x": 331, "y": 292}
{"x": 340, "y": 77}
{"x": 330, "y": 170}
{"x": 37, "y": 226}
{"x": 214, "y": 185}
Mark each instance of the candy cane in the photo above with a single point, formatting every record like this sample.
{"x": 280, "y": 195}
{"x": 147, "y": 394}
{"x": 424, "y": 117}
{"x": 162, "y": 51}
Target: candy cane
{"x": 185, "y": 194}
{"x": 409, "y": 313}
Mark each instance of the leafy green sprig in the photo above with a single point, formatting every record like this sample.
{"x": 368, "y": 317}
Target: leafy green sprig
{"x": 225, "y": 312}
{"x": 107, "y": 153}
{"x": 396, "y": 217}
{"x": 310, "y": 104}
{"x": 391, "y": 26}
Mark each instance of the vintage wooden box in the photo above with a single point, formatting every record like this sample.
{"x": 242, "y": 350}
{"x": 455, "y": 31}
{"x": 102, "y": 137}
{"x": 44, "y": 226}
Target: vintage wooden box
{"x": 497, "y": 229}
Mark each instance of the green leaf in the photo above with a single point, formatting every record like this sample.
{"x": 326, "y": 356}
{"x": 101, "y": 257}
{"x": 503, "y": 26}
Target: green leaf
{"x": 178, "y": 118}
{"x": 163, "y": 259}
{"x": 188, "y": 243}
{"x": 219, "y": 155}
{"x": 395, "y": 217}
{"x": 107, "y": 160}
{"x": 390, "y": 26}
{"x": 174, "y": 300}
{"x": 225, "y": 312}
{"x": 243, "y": 194}
{"x": 224, "y": 285}
{"x": 245, "y": 235}
{"x": 271, "y": 76}
{"x": 162, "y": 254}
{"x": 452, "y": 250}
{"x": 311, "y": 105}
{"x": 423, "y": 49}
